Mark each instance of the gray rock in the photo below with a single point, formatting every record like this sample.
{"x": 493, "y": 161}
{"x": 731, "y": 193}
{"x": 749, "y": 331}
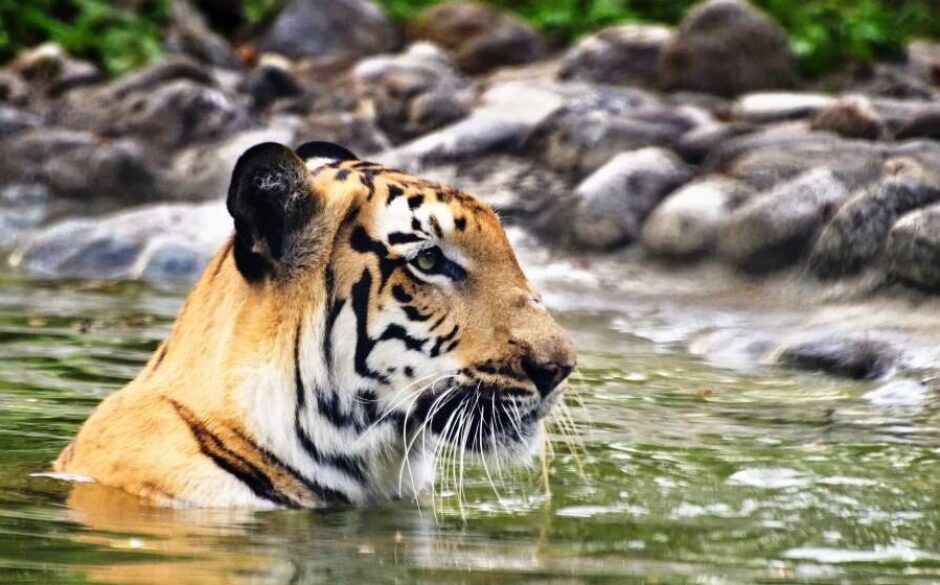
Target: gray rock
{"x": 14, "y": 121}
{"x": 924, "y": 59}
{"x": 857, "y": 233}
{"x": 727, "y": 47}
{"x": 412, "y": 93}
{"x": 767, "y": 158}
{"x": 774, "y": 229}
{"x": 81, "y": 165}
{"x": 922, "y": 125}
{"x": 625, "y": 54}
{"x": 269, "y": 82}
{"x": 687, "y": 223}
{"x": 505, "y": 119}
{"x": 481, "y": 37}
{"x": 329, "y": 28}
{"x": 853, "y": 356}
{"x": 695, "y": 145}
{"x": 776, "y": 106}
{"x": 519, "y": 189}
{"x": 22, "y": 207}
{"x": 162, "y": 242}
{"x": 613, "y": 202}
{"x": 355, "y": 132}
{"x": 913, "y": 248}
{"x": 851, "y": 117}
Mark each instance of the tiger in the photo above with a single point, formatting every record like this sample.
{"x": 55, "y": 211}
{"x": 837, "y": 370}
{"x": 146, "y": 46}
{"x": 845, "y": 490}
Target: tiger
{"x": 357, "y": 319}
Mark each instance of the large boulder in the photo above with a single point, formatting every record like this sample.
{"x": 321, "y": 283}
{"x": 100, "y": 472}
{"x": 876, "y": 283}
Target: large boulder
{"x": 188, "y": 34}
{"x": 727, "y": 47}
{"x": 851, "y": 355}
{"x": 774, "y": 229}
{"x": 857, "y": 233}
{"x": 924, "y": 59}
{"x": 481, "y": 36}
{"x": 625, "y": 55}
{"x": 687, "y": 223}
{"x": 913, "y": 248}
{"x": 612, "y": 203}
{"x": 341, "y": 29}
{"x": 50, "y": 70}
{"x": 161, "y": 242}
{"x": 412, "y": 93}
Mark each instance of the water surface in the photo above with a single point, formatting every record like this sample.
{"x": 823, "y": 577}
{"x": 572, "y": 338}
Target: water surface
{"x": 691, "y": 470}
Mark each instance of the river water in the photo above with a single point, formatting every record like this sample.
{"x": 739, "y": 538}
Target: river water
{"x": 693, "y": 463}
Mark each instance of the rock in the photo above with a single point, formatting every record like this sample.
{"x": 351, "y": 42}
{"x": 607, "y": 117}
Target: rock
{"x": 329, "y": 28}
{"x": 913, "y": 248}
{"x": 174, "y": 114}
{"x": 727, "y": 47}
{"x": 13, "y": 90}
{"x": 22, "y": 207}
{"x": 53, "y": 71}
{"x": 695, "y": 145}
{"x": 853, "y": 356}
{"x": 857, "y": 233}
{"x": 625, "y": 54}
{"x": 412, "y": 93}
{"x": 850, "y": 117}
{"x": 896, "y": 81}
{"x": 774, "y": 229}
{"x": 270, "y": 81}
{"x": 687, "y": 223}
{"x": 506, "y": 117}
{"x": 81, "y": 165}
{"x": 481, "y": 36}
{"x": 776, "y": 106}
{"x": 158, "y": 243}
{"x": 519, "y": 189}
{"x": 924, "y": 59}
{"x": 767, "y": 158}
{"x": 189, "y": 35}
{"x": 357, "y": 133}
{"x": 14, "y": 121}
{"x": 923, "y": 125}
{"x": 612, "y": 203}
{"x": 593, "y": 127}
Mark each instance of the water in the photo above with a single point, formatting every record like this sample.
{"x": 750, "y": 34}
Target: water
{"x": 693, "y": 469}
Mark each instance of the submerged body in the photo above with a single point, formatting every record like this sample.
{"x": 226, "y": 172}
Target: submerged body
{"x": 358, "y": 319}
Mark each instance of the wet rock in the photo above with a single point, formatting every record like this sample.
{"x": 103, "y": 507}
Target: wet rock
{"x": 767, "y": 158}
{"x": 161, "y": 242}
{"x": 687, "y": 223}
{"x": 189, "y": 35}
{"x": 850, "y": 117}
{"x": 612, "y": 203}
{"x": 15, "y": 121}
{"x": 913, "y": 248}
{"x": 590, "y": 129}
{"x": 626, "y": 55}
{"x": 22, "y": 207}
{"x": 853, "y": 356}
{"x": 329, "y": 28}
{"x": 50, "y": 69}
{"x": 412, "y": 93}
{"x": 923, "y": 125}
{"x": 857, "y": 233}
{"x": 774, "y": 229}
{"x": 777, "y": 106}
{"x": 519, "y": 189}
{"x": 80, "y": 165}
{"x": 924, "y": 59}
{"x": 480, "y": 36}
{"x": 727, "y": 47}
{"x": 505, "y": 119}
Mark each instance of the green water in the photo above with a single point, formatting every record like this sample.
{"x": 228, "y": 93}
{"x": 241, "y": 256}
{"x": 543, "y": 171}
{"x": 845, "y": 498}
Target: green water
{"x": 689, "y": 474}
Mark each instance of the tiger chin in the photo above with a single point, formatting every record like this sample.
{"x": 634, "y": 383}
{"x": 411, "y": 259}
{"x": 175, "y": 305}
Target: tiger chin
{"x": 358, "y": 321}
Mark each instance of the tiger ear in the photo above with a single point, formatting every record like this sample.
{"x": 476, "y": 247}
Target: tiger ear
{"x": 272, "y": 202}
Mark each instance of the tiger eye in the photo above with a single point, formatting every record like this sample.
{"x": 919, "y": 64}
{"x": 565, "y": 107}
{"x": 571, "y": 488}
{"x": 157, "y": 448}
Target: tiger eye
{"x": 427, "y": 260}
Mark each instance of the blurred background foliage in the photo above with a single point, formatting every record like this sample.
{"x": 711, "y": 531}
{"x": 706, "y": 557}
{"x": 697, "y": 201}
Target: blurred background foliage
{"x": 124, "y": 34}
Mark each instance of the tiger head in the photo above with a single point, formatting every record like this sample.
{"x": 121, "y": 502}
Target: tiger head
{"x": 412, "y": 324}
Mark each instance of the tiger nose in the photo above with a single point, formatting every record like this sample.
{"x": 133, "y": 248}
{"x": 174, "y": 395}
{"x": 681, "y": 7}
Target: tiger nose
{"x": 546, "y": 375}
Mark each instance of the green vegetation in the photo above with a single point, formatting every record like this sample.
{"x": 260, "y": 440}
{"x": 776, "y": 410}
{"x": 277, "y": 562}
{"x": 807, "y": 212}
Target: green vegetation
{"x": 120, "y": 35}
{"x": 824, "y": 33}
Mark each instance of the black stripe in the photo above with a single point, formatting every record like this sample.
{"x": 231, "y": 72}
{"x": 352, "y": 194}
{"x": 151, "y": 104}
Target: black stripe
{"x": 394, "y": 192}
{"x": 460, "y": 223}
{"x": 398, "y": 291}
{"x": 436, "y": 226}
{"x": 403, "y": 238}
{"x": 398, "y": 332}
{"x": 415, "y": 201}
{"x": 436, "y": 350}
